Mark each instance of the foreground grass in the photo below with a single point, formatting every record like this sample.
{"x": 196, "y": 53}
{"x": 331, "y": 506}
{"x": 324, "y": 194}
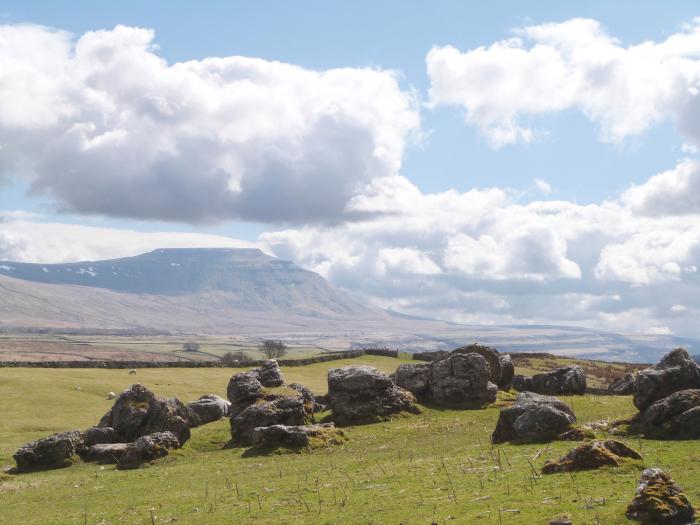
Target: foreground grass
{"x": 434, "y": 467}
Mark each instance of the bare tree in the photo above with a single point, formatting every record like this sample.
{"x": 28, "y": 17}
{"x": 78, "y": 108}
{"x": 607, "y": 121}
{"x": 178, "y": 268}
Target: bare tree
{"x": 190, "y": 346}
{"x": 234, "y": 358}
{"x": 273, "y": 349}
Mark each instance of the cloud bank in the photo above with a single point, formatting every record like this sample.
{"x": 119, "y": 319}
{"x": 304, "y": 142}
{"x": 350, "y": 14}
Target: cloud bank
{"x": 105, "y": 126}
{"x": 575, "y": 64}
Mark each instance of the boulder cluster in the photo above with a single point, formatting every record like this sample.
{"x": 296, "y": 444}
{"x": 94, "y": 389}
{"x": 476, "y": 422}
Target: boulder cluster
{"x": 139, "y": 428}
{"x": 470, "y": 375}
{"x": 563, "y": 381}
{"x": 667, "y": 396}
{"x": 265, "y": 413}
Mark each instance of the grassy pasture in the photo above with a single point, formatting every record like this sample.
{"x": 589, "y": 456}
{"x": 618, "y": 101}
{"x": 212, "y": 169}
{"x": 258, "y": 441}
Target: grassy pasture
{"x": 434, "y": 467}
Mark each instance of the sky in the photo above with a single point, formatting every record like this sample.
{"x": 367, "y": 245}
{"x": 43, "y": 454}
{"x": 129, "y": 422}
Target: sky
{"x": 503, "y": 163}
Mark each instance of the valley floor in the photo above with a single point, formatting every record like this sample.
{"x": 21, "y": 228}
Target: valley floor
{"x": 434, "y": 467}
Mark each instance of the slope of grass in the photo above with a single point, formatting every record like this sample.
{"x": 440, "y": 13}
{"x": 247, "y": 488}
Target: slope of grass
{"x": 434, "y": 467}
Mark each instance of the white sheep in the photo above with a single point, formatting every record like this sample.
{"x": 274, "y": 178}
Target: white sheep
{"x": 132, "y": 372}
{"x": 111, "y": 395}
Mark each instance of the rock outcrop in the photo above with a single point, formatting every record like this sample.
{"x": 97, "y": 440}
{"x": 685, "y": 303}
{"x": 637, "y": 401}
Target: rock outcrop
{"x": 592, "y": 455}
{"x": 139, "y": 412}
{"x": 507, "y": 372}
{"x": 414, "y": 377}
{"x": 490, "y": 354}
{"x": 295, "y": 437}
{"x": 363, "y": 394}
{"x": 462, "y": 380}
{"x": 209, "y": 408}
{"x": 54, "y": 451}
{"x": 676, "y": 371}
{"x": 533, "y": 417}
{"x": 271, "y": 409}
{"x": 660, "y": 500}
{"x": 243, "y": 390}
{"x": 270, "y": 374}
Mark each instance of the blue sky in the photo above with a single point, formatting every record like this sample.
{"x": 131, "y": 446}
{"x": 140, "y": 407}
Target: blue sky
{"x": 583, "y": 214}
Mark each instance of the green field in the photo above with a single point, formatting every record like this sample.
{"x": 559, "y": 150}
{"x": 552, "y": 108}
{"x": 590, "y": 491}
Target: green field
{"x": 434, "y": 467}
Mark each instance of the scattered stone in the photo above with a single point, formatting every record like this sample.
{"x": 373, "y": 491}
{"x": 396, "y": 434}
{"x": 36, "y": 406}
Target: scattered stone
{"x": 522, "y": 383}
{"x": 98, "y": 436}
{"x": 507, "y": 372}
{"x": 413, "y": 377}
{"x": 567, "y": 380}
{"x": 659, "y": 500}
{"x": 560, "y": 521}
{"x": 462, "y": 379}
{"x": 294, "y": 437}
{"x": 490, "y": 354}
{"x": 622, "y": 386}
{"x": 308, "y": 396}
{"x": 147, "y": 448}
{"x": 104, "y": 452}
{"x": 533, "y": 417}
{"x": 54, "y": 451}
{"x": 593, "y": 455}
{"x": 139, "y": 412}
{"x": 269, "y": 410}
{"x": 676, "y": 371}
{"x": 676, "y": 416}
{"x": 363, "y": 394}
{"x": 270, "y": 374}
{"x": 209, "y": 408}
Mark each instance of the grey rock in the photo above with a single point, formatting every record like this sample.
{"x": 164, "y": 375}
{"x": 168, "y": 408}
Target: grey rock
{"x": 507, "y": 372}
{"x": 276, "y": 436}
{"x": 147, "y": 448}
{"x": 104, "y": 452}
{"x": 209, "y": 408}
{"x": 677, "y": 415}
{"x": 139, "y": 412}
{"x": 243, "y": 390}
{"x": 522, "y": 383}
{"x": 676, "y": 371}
{"x": 566, "y": 381}
{"x": 98, "y": 435}
{"x": 533, "y": 417}
{"x": 363, "y": 394}
{"x": 490, "y": 354}
{"x": 54, "y": 451}
{"x": 660, "y": 500}
{"x": 462, "y": 379}
{"x": 274, "y": 410}
{"x": 270, "y": 374}
{"x": 308, "y": 396}
{"x": 623, "y": 386}
{"x": 413, "y": 377}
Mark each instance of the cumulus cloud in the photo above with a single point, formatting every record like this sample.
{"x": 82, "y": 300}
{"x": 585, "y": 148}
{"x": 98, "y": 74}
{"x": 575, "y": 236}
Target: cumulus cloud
{"x": 673, "y": 192}
{"x": 552, "y": 67}
{"x": 105, "y": 126}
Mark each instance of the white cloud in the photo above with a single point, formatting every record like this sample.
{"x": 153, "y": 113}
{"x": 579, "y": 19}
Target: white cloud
{"x": 543, "y": 186}
{"x": 673, "y": 192}
{"x": 574, "y": 64}
{"x": 37, "y": 242}
{"x": 105, "y": 126}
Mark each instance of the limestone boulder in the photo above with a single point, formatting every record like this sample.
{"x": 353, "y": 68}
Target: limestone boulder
{"x": 675, "y": 416}
{"x": 462, "y": 380}
{"x": 270, "y": 374}
{"x": 490, "y": 354}
{"x": 660, "y": 500}
{"x": 676, "y": 371}
{"x": 54, "y": 451}
{"x": 293, "y": 437}
{"x": 98, "y": 436}
{"x": 533, "y": 417}
{"x": 270, "y": 410}
{"x": 209, "y": 408}
{"x": 243, "y": 390}
{"x": 622, "y": 386}
{"x": 413, "y": 377}
{"x": 148, "y": 448}
{"x": 139, "y": 412}
{"x": 363, "y": 394}
{"x": 507, "y": 372}
{"x": 522, "y": 383}
{"x": 564, "y": 381}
